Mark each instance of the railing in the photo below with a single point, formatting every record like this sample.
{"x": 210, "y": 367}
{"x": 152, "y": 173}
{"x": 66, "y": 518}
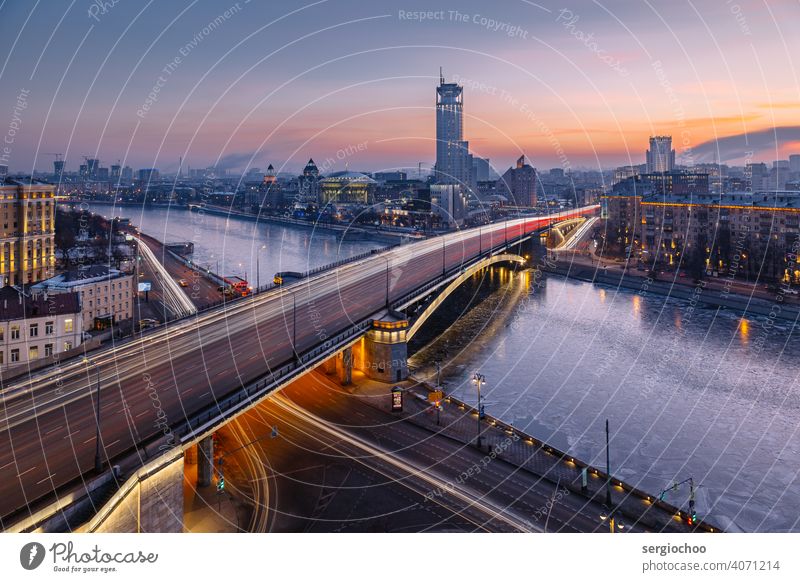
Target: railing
{"x": 591, "y": 470}
{"x": 255, "y": 390}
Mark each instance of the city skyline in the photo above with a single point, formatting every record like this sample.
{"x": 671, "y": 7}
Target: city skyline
{"x": 192, "y": 89}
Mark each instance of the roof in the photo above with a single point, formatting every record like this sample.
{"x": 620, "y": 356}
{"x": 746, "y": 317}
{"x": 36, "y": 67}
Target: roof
{"x": 349, "y": 176}
{"x": 16, "y": 304}
{"x": 79, "y": 277}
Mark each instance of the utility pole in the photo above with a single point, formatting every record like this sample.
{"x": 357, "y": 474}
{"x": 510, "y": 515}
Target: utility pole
{"x": 608, "y": 471}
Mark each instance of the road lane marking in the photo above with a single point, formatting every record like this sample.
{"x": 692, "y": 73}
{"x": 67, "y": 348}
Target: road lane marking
{"x": 46, "y": 479}
{"x": 53, "y": 430}
{"x": 28, "y": 471}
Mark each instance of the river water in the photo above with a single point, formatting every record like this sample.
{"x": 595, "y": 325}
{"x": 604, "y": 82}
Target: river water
{"x": 688, "y": 392}
{"x": 233, "y": 246}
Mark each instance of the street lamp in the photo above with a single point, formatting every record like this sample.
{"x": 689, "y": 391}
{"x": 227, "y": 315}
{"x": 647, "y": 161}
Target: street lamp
{"x": 479, "y": 380}
{"x": 98, "y": 462}
{"x": 258, "y": 267}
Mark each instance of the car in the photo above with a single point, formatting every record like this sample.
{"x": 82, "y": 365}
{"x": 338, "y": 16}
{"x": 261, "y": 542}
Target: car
{"x": 183, "y": 283}
{"x": 146, "y": 323}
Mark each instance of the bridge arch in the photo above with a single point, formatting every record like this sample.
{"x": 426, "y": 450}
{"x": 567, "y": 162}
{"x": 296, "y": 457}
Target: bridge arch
{"x": 455, "y": 283}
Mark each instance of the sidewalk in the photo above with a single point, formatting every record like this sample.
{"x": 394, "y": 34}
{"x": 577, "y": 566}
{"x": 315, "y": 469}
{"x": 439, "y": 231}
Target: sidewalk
{"x": 459, "y": 422}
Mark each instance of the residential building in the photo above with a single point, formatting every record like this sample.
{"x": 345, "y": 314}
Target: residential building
{"x": 107, "y": 295}
{"x": 750, "y": 232}
{"x": 660, "y": 156}
{"x": 449, "y": 201}
{"x": 519, "y": 184}
{"x": 33, "y": 327}
{"x": 27, "y": 236}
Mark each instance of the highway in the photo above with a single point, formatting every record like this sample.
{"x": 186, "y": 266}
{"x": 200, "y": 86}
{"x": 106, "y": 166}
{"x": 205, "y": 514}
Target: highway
{"x": 47, "y": 426}
{"x": 173, "y": 296}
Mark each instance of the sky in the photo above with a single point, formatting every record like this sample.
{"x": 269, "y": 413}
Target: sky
{"x": 577, "y": 85}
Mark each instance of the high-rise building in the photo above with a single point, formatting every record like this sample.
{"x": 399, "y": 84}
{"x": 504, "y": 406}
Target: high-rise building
{"x": 27, "y": 237}
{"x": 794, "y": 163}
{"x": 148, "y": 175}
{"x": 92, "y": 165}
{"x": 127, "y": 174}
{"x": 58, "y": 169}
{"x": 449, "y": 202}
{"x": 116, "y": 170}
{"x": 481, "y": 167}
{"x": 660, "y": 156}
{"x": 519, "y": 184}
{"x": 453, "y": 161}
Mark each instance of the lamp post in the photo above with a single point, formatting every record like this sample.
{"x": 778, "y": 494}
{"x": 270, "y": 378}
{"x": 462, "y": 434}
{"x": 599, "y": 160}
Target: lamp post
{"x": 258, "y": 267}
{"x": 479, "y": 380}
{"x": 98, "y": 461}
{"x": 608, "y": 470}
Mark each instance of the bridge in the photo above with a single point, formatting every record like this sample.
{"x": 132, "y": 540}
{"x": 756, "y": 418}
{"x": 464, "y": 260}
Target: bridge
{"x": 169, "y": 388}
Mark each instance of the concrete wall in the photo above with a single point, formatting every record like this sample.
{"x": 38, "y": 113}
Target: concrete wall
{"x": 151, "y": 500}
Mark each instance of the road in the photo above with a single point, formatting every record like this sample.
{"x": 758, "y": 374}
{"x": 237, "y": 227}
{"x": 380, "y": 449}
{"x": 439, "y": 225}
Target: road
{"x": 159, "y": 379}
{"x": 172, "y": 294}
{"x": 497, "y": 497}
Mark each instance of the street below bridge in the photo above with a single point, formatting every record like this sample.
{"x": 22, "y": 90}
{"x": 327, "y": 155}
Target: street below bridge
{"x": 330, "y": 458}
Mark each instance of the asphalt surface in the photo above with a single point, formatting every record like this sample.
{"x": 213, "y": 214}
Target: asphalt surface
{"x": 494, "y": 495}
{"x": 47, "y": 423}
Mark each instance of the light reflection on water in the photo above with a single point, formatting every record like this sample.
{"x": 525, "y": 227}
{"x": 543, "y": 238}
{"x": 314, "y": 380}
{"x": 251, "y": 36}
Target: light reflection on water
{"x": 232, "y": 245}
{"x": 688, "y": 392}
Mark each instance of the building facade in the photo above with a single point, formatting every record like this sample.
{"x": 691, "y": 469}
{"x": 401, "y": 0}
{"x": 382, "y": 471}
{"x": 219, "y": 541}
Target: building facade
{"x": 27, "y": 209}
{"x": 660, "y": 156}
{"x": 753, "y": 233}
{"x": 347, "y": 188}
{"x": 107, "y": 295}
{"x": 519, "y": 184}
{"x": 450, "y": 203}
{"x": 33, "y": 327}
{"x": 453, "y": 160}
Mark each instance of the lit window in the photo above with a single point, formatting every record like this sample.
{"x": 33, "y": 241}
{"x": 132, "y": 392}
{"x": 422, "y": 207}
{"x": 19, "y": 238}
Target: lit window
{"x": 33, "y": 352}
{"x": 68, "y": 326}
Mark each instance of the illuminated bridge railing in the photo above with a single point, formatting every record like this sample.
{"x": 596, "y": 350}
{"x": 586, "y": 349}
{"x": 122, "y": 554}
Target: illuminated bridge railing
{"x": 193, "y": 427}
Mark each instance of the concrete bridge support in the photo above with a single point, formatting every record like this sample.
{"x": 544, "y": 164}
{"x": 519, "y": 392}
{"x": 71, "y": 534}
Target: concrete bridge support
{"x": 205, "y": 461}
{"x": 344, "y": 366}
{"x": 151, "y": 500}
{"x": 385, "y": 354}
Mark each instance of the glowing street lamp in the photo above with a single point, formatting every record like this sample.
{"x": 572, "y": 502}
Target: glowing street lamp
{"x": 479, "y": 380}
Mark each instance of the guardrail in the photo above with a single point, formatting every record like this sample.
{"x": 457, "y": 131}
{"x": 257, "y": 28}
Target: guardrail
{"x": 248, "y": 395}
{"x": 567, "y": 458}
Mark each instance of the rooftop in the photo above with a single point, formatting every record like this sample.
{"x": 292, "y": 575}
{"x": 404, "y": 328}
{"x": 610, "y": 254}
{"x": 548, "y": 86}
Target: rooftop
{"x": 80, "y": 276}
{"x": 17, "y": 304}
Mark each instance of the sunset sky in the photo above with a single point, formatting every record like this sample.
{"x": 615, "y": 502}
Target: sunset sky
{"x": 279, "y": 82}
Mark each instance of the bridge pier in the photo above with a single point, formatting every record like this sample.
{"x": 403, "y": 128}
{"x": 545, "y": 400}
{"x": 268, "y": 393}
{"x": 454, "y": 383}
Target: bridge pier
{"x": 344, "y": 366}
{"x": 205, "y": 461}
{"x": 385, "y": 354}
